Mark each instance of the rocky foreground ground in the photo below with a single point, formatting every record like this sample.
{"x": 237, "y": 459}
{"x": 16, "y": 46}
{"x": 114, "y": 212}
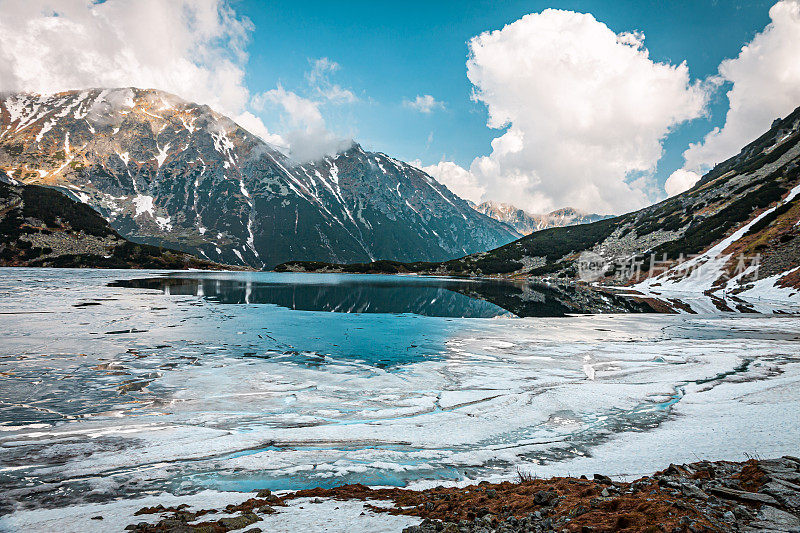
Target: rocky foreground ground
{"x": 721, "y": 496}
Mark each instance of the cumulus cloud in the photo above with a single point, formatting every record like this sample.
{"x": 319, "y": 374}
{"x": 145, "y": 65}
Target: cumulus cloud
{"x": 424, "y": 103}
{"x": 584, "y": 112}
{"x": 679, "y": 181}
{"x": 765, "y": 85}
{"x": 457, "y": 179}
{"x": 301, "y": 111}
{"x": 193, "y": 48}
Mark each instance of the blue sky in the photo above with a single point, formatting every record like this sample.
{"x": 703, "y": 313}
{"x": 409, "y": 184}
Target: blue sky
{"x": 390, "y": 51}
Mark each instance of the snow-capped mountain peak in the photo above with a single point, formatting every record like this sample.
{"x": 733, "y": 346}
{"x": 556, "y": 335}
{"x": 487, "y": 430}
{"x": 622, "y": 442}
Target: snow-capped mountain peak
{"x": 526, "y": 223}
{"x": 167, "y": 171}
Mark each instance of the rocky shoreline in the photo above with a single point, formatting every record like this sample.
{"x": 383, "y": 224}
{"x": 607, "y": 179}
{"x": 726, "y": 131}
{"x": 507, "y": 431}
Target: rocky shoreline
{"x": 720, "y": 496}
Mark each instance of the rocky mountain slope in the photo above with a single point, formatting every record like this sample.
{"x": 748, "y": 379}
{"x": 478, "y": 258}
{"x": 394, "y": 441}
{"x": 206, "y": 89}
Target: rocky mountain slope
{"x": 526, "y": 223}
{"x": 169, "y": 172}
{"x": 732, "y": 242}
{"x": 40, "y": 226}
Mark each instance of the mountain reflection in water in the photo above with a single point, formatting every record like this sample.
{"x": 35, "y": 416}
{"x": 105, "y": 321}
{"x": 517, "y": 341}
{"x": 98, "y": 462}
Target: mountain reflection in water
{"x": 346, "y": 293}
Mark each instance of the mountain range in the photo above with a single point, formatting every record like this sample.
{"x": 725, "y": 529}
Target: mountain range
{"x": 526, "y": 223}
{"x": 161, "y": 172}
{"x": 176, "y": 174}
{"x": 731, "y": 242}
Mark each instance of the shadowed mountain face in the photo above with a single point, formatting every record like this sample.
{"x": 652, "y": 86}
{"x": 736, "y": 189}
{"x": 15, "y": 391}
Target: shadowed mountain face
{"x": 40, "y": 226}
{"x": 173, "y": 173}
{"x": 759, "y": 183}
{"x": 526, "y": 223}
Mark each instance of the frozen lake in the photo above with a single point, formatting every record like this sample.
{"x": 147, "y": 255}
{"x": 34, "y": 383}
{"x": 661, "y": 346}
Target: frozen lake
{"x": 127, "y": 383}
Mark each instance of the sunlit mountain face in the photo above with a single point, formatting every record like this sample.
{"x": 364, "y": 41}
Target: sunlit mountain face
{"x": 526, "y": 223}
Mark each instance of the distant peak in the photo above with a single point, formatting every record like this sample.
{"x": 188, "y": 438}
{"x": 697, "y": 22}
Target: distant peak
{"x": 354, "y": 147}
{"x": 525, "y": 222}
{"x": 566, "y": 211}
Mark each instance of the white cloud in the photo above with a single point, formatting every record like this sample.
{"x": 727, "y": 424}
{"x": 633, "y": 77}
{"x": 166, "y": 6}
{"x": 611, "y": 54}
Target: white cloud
{"x": 305, "y": 132}
{"x": 313, "y": 144}
{"x": 307, "y": 136}
{"x": 429, "y": 141}
{"x": 460, "y": 181}
{"x": 424, "y": 103}
{"x": 631, "y": 38}
{"x": 319, "y": 80}
{"x": 196, "y": 49}
{"x": 254, "y": 125}
{"x": 585, "y": 112}
{"x": 320, "y": 68}
{"x": 679, "y": 181}
{"x": 337, "y": 95}
{"x": 301, "y": 111}
{"x": 193, "y": 48}
{"x": 765, "y": 80}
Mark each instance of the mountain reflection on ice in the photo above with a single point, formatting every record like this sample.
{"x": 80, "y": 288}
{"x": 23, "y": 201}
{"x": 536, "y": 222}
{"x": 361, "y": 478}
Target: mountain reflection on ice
{"x": 111, "y": 391}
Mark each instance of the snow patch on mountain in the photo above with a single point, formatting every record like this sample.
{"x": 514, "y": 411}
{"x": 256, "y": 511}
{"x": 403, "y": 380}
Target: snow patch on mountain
{"x": 143, "y": 204}
{"x": 704, "y": 276}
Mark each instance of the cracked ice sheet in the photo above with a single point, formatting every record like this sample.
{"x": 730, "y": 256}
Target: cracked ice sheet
{"x": 493, "y": 396}
{"x": 733, "y": 421}
{"x": 300, "y": 515}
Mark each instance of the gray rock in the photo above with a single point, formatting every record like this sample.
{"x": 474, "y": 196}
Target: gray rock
{"x": 239, "y": 522}
{"x": 693, "y": 492}
{"x": 770, "y": 519}
{"x": 788, "y": 494}
{"x": 742, "y": 495}
{"x": 545, "y": 497}
{"x": 600, "y": 478}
